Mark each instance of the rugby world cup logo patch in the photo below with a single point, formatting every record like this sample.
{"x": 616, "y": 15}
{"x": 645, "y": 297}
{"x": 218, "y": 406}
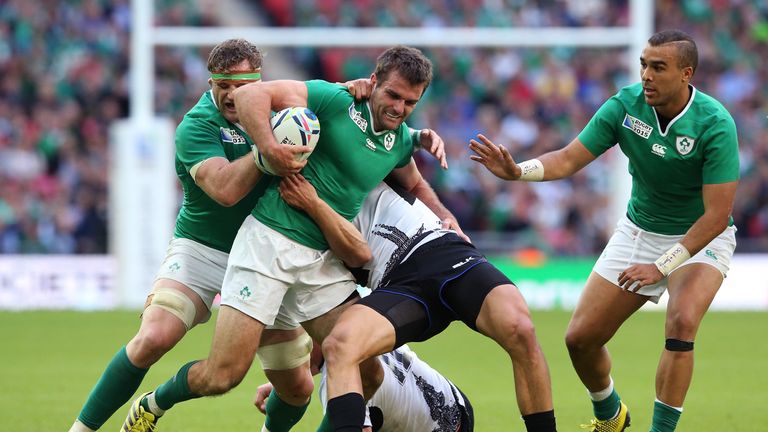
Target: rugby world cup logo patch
{"x": 642, "y": 129}
{"x": 357, "y": 117}
{"x": 684, "y": 144}
{"x": 231, "y": 136}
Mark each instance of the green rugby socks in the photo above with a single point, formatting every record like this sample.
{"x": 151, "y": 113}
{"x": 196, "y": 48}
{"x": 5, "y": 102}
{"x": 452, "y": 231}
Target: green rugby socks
{"x": 174, "y": 390}
{"x": 665, "y": 417}
{"x": 605, "y": 403}
{"x": 281, "y": 416}
{"x": 115, "y": 387}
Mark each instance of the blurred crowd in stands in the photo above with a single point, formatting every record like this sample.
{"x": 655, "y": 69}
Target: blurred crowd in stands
{"x": 64, "y": 69}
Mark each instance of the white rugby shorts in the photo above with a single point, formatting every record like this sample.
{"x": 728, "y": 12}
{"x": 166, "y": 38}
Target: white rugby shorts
{"x": 280, "y": 282}
{"x": 199, "y": 267}
{"x": 631, "y": 245}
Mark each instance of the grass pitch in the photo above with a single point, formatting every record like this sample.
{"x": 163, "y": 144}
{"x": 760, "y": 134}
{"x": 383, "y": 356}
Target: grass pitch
{"x": 50, "y": 361}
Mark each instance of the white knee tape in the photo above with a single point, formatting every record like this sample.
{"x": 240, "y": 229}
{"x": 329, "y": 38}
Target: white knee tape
{"x": 176, "y": 303}
{"x": 286, "y": 355}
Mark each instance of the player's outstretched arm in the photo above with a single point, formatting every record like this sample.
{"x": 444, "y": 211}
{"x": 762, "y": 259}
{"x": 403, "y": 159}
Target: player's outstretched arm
{"x": 254, "y": 103}
{"x": 495, "y": 158}
{"x": 549, "y": 166}
{"x": 343, "y": 238}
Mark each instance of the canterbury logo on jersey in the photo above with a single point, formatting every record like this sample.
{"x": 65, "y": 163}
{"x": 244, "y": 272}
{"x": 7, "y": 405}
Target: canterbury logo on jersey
{"x": 637, "y": 126}
{"x": 357, "y": 117}
{"x": 231, "y": 136}
{"x": 659, "y": 150}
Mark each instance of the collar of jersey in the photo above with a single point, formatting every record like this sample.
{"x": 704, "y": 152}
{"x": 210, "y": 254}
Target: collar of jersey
{"x": 210, "y": 94}
{"x": 373, "y": 121}
{"x": 677, "y": 117}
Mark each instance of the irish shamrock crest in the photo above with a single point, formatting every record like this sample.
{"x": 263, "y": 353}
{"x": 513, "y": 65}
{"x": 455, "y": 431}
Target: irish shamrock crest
{"x": 245, "y": 293}
{"x": 389, "y": 141}
{"x": 684, "y": 144}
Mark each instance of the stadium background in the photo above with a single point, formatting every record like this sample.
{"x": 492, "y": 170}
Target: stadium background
{"x": 64, "y": 68}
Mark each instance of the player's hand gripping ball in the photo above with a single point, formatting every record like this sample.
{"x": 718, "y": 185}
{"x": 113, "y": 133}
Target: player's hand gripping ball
{"x": 297, "y": 126}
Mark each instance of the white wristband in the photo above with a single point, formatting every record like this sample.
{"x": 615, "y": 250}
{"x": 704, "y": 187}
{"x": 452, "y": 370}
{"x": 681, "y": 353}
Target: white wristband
{"x": 533, "y": 170}
{"x": 672, "y": 259}
{"x": 255, "y": 153}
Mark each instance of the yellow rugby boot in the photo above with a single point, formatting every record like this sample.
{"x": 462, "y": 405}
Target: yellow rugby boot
{"x": 616, "y": 424}
{"x": 139, "y": 419}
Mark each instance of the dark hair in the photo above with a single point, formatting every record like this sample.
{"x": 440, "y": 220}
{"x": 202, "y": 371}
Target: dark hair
{"x": 687, "y": 53}
{"x": 409, "y": 62}
{"x": 231, "y": 52}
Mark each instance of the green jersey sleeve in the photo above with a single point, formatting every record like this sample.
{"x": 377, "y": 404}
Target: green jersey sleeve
{"x": 193, "y": 142}
{"x": 721, "y": 155}
{"x": 600, "y": 133}
{"x": 325, "y": 98}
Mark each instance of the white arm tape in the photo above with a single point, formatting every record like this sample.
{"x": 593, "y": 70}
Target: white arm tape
{"x": 195, "y": 167}
{"x": 416, "y": 137}
{"x": 672, "y": 259}
{"x": 533, "y": 170}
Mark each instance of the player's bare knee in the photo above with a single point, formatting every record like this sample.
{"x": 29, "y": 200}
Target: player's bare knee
{"x": 297, "y": 392}
{"x": 150, "y": 344}
{"x": 221, "y": 381}
{"x": 338, "y": 348}
{"x": 683, "y": 325}
{"x": 517, "y": 335}
{"x": 578, "y": 341}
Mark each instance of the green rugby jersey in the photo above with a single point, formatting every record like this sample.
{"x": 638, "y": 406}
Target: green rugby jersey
{"x": 349, "y": 161}
{"x": 669, "y": 167}
{"x": 202, "y": 134}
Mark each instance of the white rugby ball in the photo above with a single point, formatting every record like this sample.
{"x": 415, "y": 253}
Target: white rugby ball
{"x": 292, "y": 126}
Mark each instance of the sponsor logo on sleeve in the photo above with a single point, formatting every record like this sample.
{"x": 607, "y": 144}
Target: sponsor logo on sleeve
{"x": 684, "y": 144}
{"x": 636, "y": 126}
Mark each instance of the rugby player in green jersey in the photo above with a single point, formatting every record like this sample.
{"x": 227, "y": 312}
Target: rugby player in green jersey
{"x": 221, "y": 186}
{"x": 678, "y": 234}
{"x": 281, "y": 272}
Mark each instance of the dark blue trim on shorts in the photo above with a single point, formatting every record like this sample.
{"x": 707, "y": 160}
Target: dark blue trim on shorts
{"x": 440, "y": 291}
{"x": 420, "y": 301}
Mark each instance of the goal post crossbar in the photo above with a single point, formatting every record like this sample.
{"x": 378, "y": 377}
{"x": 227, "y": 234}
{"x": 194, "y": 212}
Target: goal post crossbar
{"x": 417, "y": 36}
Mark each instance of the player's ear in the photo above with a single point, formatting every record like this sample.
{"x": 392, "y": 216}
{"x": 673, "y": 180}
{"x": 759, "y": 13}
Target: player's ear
{"x": 373, "y": 79}
{"x": 210, "y": 82}
{"x": 687, "y": 73}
